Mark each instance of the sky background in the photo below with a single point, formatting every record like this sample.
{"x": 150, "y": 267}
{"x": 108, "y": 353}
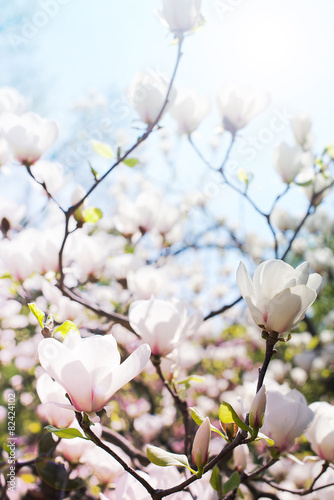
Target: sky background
{"x": 55, "y": 51}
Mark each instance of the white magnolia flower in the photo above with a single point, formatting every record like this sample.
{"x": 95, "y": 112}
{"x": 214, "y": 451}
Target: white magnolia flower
{"x": 49, "y": 391}
{"x": 89, "y": 369}
{"x": 287, "y": 416}
{"x": 189, "y": 109}
{"x": 301, "y": 126}
{"x": 180, "y": 16}
{"x": 289, "y": 161}
{"x": 29, "y": 135}
{"x": 147, "y": 93}
{"x": 278, "y": 295}
{"x": 163, "y": 324}
{"x": 239, "y": 104}
{"x": 321, "y": 432}
{"x": 319, "y": 187}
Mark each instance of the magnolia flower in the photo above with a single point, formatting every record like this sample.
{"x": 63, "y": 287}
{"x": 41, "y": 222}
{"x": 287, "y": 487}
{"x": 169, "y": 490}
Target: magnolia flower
{"x": 289, "y": 161}
{"x": 163, "y": 324}
{"x": 89, "y": 369}
{"x": 200, "y": 449}
{"x": 320, "y": 185}
{"x": 286, "y": 418}
{"x": 320, "y": 434}
{"x": 29, "y": 135}
{"x": 189, "y": 110}
{"x": 180, "y": 16}
{"x": 239, "y": 104}
{"x": 147, "y": 94}
{"x": 49, "y": 391}
{"x": 301, "y": 126}
{"x": 256, "y": 414}
{"x": 278, "y": 295}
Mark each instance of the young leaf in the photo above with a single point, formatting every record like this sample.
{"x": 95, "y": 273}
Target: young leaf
{"x": 66, "y": 327}
{"x": 67, "y": 433}
{"x": 232, "y": 483}
{"x": 102, "y": 149}
{"x": 198, "y": 419}
{"x": 131, "y": 162}
{"x": 227, "y": 415}
{"x": 270, "y": 441}
{"x": 92, "y": 214}
{"x": 164, "y": 458}
{"x": 39, "y": 315}
{"x": 215, "y": 479}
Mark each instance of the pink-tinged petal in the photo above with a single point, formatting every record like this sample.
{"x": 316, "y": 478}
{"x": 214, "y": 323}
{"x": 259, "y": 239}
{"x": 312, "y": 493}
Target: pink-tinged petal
{"x": 62, "y": 365}
{"x": 314, "y": 281}
{"x": 288, "y": 307}
{"x": 99, "y": 355}
{"x": 125, "y": 372}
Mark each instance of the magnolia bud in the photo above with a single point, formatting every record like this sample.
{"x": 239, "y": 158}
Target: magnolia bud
{"x": 200, "y": 451}
{"x": 256, "y": 414}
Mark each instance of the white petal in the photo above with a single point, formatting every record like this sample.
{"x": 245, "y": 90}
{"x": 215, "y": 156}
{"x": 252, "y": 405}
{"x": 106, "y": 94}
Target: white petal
{"x": 315, "y": 281}
{"x": 288, "y": 307}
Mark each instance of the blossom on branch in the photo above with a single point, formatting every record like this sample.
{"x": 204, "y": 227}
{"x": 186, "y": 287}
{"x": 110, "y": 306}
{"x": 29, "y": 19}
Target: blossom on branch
{"x": 89, "y": 369}
{"x": 320, "y": 434}
{"x": 163, "y": 324}
{"x": 278, "y": 295}
{"x": 180, "y": 16}
{"x": 189, "y": 109}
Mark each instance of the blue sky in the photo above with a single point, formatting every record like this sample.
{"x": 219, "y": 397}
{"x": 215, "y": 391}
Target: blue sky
{"x": 59, "y": 49}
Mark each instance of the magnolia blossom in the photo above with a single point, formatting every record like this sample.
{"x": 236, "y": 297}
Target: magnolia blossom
{"x": 287, "y": 417}
{"x": 289, "y": 161}
{"x": 200, "y": 449}
{"x": 147, "y": 94}
{"x": 278, "y": 295}
{"x": 89, "y": 369}
{"x": 257, "y": 409}
{"x": 239, "y": 104}
{"x": 29, "y": 135}
{"x": 189, "y": 110}
{"x": 180, "y": 16}
{"x": 49, "y": 391}
{"x": 319, "y": 187}
{"x": 301, "y": 126}
{"x": 321, "y": 432}
{"x": 163, "y": 324}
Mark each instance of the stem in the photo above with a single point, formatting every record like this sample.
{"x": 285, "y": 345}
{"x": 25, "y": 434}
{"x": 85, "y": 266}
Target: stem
{"x": 181, "y": 405}
{"x": 271, "y": 340}
{"x": 85, "y": 426}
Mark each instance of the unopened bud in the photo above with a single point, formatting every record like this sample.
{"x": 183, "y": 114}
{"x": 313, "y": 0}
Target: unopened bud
{"x": 256, "y": 414}
{"x": 200, "y": 451}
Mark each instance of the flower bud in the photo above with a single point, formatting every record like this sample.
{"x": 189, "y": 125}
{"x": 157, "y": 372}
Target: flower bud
{"x": 256, "y": 414}
{"x": 200, "y": 451}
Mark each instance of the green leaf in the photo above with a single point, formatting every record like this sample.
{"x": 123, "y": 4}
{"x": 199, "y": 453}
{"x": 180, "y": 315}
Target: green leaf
{"x": 232, "y": 483}
{"x": 270, "y": 441}
{"x": 94, "y": 172}
{"x": 102, "y": 149}
{"x": 330, "y": 150}
{"x": 164, "y": 458}
{"x": 66, "y": 327}
{"x": 67, "y": 433}
{"x": 215, "y": 479}
{"x": 39, "y": 315}
{"x": 198, "y": 419}
{"x": 227, "y": 415}
{"x": 92, "y": 214}
{"x": 192, "y": 378}
{"x": 131, "y": 162}
{"x": 55, "y": 475}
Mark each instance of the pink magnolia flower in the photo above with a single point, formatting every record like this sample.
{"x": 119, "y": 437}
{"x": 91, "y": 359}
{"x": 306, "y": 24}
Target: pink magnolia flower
{"x": 89, "y": 369}
{"x": 200, "y": 449}
{"x": 278, "y": 295}
{"x": 29, "y": 135}
{"x": 321, "y": 432}
{"x": 286, "y": 418}
{"x": 163, "y": 324}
